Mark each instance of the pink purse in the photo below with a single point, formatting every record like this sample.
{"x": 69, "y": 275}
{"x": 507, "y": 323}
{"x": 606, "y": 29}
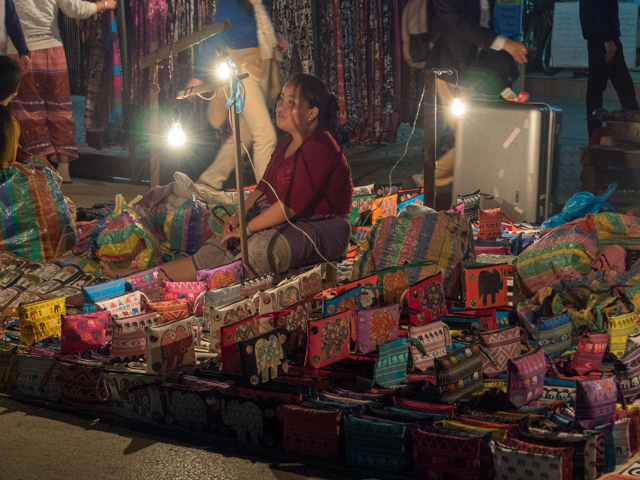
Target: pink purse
{"x": 148, "y": 282}
{"x": 188, "y": 290}
{"x": 84, "y": 332}
{"x": 427, "y": 295}
{"x": 222, "y": 276}
{"x": 328, "y": 339}
{"x": 434, "y": 337}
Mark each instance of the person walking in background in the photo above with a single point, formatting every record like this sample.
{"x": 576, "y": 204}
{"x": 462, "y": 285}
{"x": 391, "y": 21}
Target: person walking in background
{"x": 14, "y": 30}
{"x": 43, "y": 104}
{"x": 601, "y": 28}
{"x": 250, "y": 44}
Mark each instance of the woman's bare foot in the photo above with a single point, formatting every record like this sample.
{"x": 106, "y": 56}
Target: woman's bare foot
{"x": 114, "y": 272}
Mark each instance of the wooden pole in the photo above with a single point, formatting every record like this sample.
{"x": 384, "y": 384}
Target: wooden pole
{"x": 430, "y": 131}
{"x": 242, "y": 225}
{"x": 154, "y": 111}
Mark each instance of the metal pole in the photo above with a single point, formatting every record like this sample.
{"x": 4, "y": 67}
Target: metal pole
{"x": 430, "y": 131}
{"x": 154, "y": 110}
{"x": 240, "y": 188}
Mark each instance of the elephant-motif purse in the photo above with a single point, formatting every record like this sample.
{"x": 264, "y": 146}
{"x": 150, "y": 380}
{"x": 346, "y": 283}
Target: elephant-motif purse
{"x": 620, "y": 327}
{"x": 296, "y": 323}
{"x": 171, "y": 345}
{"x": 103, "y": 291}
{"x": 171, "y": 310}
{"x": 218, "y": 298}
{"x": 328, "y": 339}
{"x": 589, "y": 354}
{"x": 188, "y": 290}
{"x": 84, "y": 332}
{"x": 376, "y": 326}
{"x": 514, "y": 463}
{"x": 627, "y": 369}
{"x": 251, "y": 286}
{"x": 264, "y": 357}
{"x": 361, "y": 207}
{"x": 384, "y": 207}
{"x": 396, "y": 280}
{"x": 333, "y": 303}
{"x": 127, "y": 305}
{"x": 38, "y": 376}
{"x": 633, "y": 341}
{"x": 82, "y": 382}
{"x": 278, "y": 298}
{"x": 129, "y": 340}
{"x": 227, "y": 315}
{"x": 434, "y": 338}
{"x": 393, "y": 359}
{"x": 249, "y": 420}
{"x": 222, "y": 276}
{"x": 310, "y": 283}
{"x": 459, "y": 373}
{"x": 148, "y": 282}
{"x": 554, "y": 334}
{"x": 427, "y": 296}
{"x": 596, "y": 401}
{"x": 230, "y": 335}
{"x": 136, "y": 394}
{"x": 40, "y": 320}
{"x": 525, "y": 377}
{"x": 486, "y": 285}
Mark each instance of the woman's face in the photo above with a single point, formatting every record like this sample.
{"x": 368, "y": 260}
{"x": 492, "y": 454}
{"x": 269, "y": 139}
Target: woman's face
{"x": 293, "y": 112}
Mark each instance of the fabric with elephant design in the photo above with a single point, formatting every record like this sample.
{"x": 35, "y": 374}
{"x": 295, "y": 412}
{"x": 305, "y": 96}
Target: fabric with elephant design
{"x": 525, "y": 377}
{"x": 554, "y": 334}
{"x": 148, "y": 282}
{"x": 384, "y": 207}
{"x": 264, "y": 357}
{"x": 188, "y": 290}
{"x": 565, "y": 453}
{"x": 82, "y": 382}
{"x": 396, "y": 280}
{"x": 84, "y": 332}
{"x": 312, "y": 432}
{"x": 596, "y": 401}
{"x": 296, "y": 323}
{"x": 222, "y": 276}
{"x": 392, "y": 363}
{"x": 434, "y": 337}
{"x": 103, "y": 291}
{"x": 621, "y": 439}
{"x": 590, "y": 352}
{"x": 248, "y": 420}
{"x": 499, "y": 346}
{"x": 38, "y": 376}
{"x": 620, "y": 327}
{"x": 216, "y": 318}
{"x": 136, "y": 394}
{"x": 171, "y": 310}
{"x": 486, "y": 285}
{"x": 310, "y": 282}
{"x": 427, "y": 295}
{"x": 459, "y": 373}
{"x": 189, "y": 407}
{"x": 511, "y": 463}
{"x": 40, "y": 320}
{"x": 376, "y": 326}
{"x": 333, "y": 303}
{"x": 328, "y": 339}
{"x": 230, "y": 335}
{"x": 278, "y": 298}
{"x": 129, "y": 340}
{"x": 171, "y": 345}
{"x": 127, "y": 305}
{"x": 634, "y": 421}
{"x": 627, "y": 369}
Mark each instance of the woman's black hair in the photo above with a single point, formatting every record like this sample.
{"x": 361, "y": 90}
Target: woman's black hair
{"x": 9, "y": 81}
{"x": 316, "y": 93}
{"x": 246, "y": 6}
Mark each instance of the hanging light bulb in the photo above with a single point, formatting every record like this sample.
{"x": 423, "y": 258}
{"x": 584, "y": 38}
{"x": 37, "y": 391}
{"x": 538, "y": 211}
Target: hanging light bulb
{"x": 176, "y": 137}
{"x": 223, "y": 70}
{"x": 457, "y": 106}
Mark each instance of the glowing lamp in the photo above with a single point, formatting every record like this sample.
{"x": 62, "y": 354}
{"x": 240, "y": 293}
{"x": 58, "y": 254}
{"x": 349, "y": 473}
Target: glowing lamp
{"x": 457, "y": 105}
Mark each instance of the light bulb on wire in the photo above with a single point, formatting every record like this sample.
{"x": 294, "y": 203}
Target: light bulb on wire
{"x": 457, "y": 105}
{"x": 223, "y": 70}
{"x": 176, "y": 137}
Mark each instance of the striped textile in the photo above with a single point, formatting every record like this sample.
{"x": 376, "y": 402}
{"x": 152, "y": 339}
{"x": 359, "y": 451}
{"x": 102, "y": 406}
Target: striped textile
{"x": 43, "y": 106}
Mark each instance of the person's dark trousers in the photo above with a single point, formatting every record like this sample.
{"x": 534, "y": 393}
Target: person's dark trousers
{"x": 599, "y": 72}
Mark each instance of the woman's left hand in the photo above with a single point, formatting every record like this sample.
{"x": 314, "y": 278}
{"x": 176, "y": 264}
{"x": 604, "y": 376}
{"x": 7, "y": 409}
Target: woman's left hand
{"x": 231, "y": 236}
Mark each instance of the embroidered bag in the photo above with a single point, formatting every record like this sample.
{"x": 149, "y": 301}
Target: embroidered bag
{"x": 40, "y": 320}
{"x": 189, "y": 406}
{"x": 596, "y": 401}
{"x": 84, "y": 332}
{"x": 459, "y": 373}
{"x": 589, "y": 354}
{"x": 38, "y": 376}
{"x": 525, "y": 377}
{"x": 434, "y": 338}
{"x": 620, "y": 327}
{"x": 222, "y": 276}
{"x": 427, "y": 295}
{"x": 82, "y": 382}
{"x": 490, "y": 223}
{"x": 296, "y": 322}
{"x": 498, "y": 348}
{"x": 393, "y": 358}
{"x": 376, "y": 327}
{"x": 188, "y": 290}
{"x": 497, "y": 434}
{"x": 171, "y": 310}
{"x": 127, "y": 305}
{"x": 633, "y": 341}
{"x": 264, "y": 357}
{"x": 621, "y": 439}
{"x": 227, "y": 315}
{"x": 486, "y": 285}
{"x": 249, "y": 420}
{"x": 171, "y": 345}
{"x": 369, "y": 441}
{"x": 310, "y": 282}
{"x": 278, "y": 298}
{"x": 396, "y": 280}
{"x": 312, "y": 432}
{"x": 148, "y": 282}
{"x": 103, "y": 291}
{"x": 129, "y": 340}
{"x": 384, "y": 207}
{"x": 251, "y": 286}
{"x": 511, "y": 463}
{"x": 218, "y": 298}
{"x": 471, "y": 203}
{"x": 333, "y": 303}
{"x": 627, "y": 369}
{"x": 135, "y": 394}
{"x": 361, "y": 209}
{"x": 328, "y": 339}
{"x": 565, "y": 453}
{"x": 232, "y": 334}
{"x": 632, "y": 416}
{"x": 554, "y": 334}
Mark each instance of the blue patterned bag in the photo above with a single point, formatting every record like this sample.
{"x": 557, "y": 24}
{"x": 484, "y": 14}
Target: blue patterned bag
{"x": 393, "y": 357}
{"x": 103, "y": 291}
{"x": 554, "y": 334}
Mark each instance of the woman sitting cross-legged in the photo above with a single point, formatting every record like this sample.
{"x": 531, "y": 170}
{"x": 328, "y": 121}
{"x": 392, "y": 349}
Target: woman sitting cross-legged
{"x": 298, "y": 214}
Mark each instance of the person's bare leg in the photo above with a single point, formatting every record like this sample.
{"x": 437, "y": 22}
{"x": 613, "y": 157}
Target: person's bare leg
{"x": 63, "y": 168}
{"x": 180, "y": 270}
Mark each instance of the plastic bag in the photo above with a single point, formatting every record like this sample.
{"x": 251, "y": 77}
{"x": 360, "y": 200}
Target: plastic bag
{"x": 579, "y": 206}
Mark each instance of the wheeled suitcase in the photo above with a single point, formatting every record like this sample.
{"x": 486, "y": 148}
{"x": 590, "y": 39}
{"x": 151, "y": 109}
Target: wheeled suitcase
{"x": 508, "y": 150}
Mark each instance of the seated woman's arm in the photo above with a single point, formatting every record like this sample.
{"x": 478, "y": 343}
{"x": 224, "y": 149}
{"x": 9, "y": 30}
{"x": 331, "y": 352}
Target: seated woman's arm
{"x": 274, "y": 215}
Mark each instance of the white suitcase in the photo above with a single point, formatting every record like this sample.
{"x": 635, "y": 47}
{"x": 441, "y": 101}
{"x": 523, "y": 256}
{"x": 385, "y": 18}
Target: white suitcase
{"x": 508, "y": 150}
